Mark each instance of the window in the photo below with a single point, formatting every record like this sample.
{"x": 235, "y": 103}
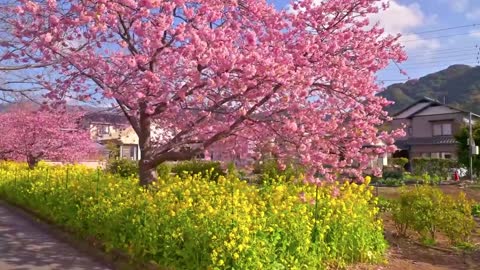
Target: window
{"x": 435, "y": 155}
{"x": 129, "y": 152}
{"x": 425, "y": 155}
{"x": 102, "y": 129}
{"x": 410, "y": 131}
{"x": 447, "y": 155}
{"x": 447, "y": 128}
{"x": 133, "y": 152}
{"x": 441, "y": 129}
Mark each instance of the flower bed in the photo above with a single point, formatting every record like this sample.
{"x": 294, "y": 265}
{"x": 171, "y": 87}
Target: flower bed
{"x": 194, "y": 223}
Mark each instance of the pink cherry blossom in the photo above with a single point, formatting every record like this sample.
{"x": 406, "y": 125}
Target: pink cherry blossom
{"x": 32, "y": 135}
{"x": 224, "y": 74}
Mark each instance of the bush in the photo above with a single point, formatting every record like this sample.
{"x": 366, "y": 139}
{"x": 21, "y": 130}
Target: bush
{"x": 191, "y": 222}
{"x": 164, "y": 170}
{"x": 398, "y": 162}
{"x": 194, "y": 167}
{"x": 440, "y": 168}
{"x": 427, "y": 211}
{"x": 269, "y": 169}
{"x": 123, "y": 167}
{"x": 391, "y": 182}
{"x": 384, "y": 205}
{"x": 476, "y": 210}
{"x": 391, "y": 172}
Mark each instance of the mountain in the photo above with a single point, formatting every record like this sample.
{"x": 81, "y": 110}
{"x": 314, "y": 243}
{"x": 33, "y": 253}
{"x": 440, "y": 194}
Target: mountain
{"x": 458, "y": 86}
{"x": 85, "y": 108}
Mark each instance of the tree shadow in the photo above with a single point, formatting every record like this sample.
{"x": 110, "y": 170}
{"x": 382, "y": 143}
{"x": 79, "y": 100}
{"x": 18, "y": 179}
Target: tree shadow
{"x": 24, "y": 246}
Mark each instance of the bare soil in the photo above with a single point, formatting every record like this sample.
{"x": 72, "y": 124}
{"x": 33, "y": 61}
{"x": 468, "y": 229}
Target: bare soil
{"x": 408, "y": 253}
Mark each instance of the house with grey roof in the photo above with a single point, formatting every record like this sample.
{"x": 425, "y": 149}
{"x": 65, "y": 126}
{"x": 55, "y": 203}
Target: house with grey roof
{"x": 430, "y": 127}
{"x": 113, "y": 127}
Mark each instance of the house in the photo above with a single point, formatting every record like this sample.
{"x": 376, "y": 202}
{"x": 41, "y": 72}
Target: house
{"x": 114, "y": 129}
{"x": 430, "y": 127}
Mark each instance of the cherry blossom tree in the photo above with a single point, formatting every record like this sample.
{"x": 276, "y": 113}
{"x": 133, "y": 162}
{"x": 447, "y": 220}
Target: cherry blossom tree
{"x": 32, "y": 135}
{"x": 192, "y": 75}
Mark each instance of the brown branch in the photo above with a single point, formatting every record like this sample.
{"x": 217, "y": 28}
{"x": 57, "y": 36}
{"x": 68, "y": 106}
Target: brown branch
{"x": 20, "y": 67}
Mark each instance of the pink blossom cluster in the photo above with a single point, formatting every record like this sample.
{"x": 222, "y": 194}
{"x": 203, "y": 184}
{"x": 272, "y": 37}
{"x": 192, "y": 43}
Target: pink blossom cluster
{"x": 33, "y": 135}
{"x": 225, "y": 73}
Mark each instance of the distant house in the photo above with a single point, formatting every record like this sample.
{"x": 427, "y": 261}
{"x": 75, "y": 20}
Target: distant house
{"x": 430, "y": 127}
{"x": 113, "y": 128}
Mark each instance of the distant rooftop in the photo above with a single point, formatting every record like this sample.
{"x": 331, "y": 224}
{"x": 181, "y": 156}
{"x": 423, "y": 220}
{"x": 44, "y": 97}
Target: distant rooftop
{"x": 108, "y": 117}
{"x": 422, "y": 105}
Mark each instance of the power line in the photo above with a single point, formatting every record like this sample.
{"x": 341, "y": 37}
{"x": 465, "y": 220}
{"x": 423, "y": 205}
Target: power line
{"x": 435, "y": 52}
{"x": 432, "y": 66}
{"x": 466, "y": 59}
{"x": 430, "y": 57}
{"x": 395, "y": 80}
{"x": 473, "y": 46}
{"x": 444, "y": 29}
{"x": 437, "y": 37}
{"x": 408, "y": 79}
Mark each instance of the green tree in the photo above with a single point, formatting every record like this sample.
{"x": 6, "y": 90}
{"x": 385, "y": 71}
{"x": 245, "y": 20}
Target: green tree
{"x": 463, "y": 148}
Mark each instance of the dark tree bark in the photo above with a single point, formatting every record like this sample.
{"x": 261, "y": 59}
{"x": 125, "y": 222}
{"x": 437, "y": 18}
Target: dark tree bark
{"x": 147, "y": 173}
{"x": 32, "y": 162}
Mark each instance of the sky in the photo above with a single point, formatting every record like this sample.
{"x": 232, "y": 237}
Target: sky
{"x": 435, "y": 33}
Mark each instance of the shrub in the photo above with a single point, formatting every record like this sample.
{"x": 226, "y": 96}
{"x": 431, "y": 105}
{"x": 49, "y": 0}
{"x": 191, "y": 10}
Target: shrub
{"x": 398, "y": 162}
{"x": 427, "y": 211}
{"x": 391, "y": 172}
{"x": 164, "y": 170}
{"x": 434, "y": 167}
{"x": 123, "y": 167}
{"x": 476, "y": 210}
{"x": 457, "y": 221}
{"x": 193, "y": 167}
{"x": 384, "y": 205}
{"x": 391, "y": 182}
{"x": 269, "y": 169}
{"x": 191, "y": 222}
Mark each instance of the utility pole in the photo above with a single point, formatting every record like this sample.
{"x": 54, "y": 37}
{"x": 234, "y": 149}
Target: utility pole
{"x": 471, "y": 145}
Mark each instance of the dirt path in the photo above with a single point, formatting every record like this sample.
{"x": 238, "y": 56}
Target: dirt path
{"x": 25, "y": 246}
{"x": 406, "y": 254}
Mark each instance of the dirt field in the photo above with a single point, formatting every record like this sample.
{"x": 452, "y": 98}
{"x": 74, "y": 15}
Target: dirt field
{"x": 409, "y": 254}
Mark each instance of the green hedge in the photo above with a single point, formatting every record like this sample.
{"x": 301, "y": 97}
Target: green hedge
{"x": 434, "y": 167}
{"x": 129, "y": 168}
{"x": 398, "y": 162}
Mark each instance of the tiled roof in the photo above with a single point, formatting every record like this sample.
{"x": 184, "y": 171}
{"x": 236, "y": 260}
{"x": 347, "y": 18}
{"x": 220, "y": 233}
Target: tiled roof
{"x": 112, "y": 118}
{"x": 417, "y": 107}
{"x": 437, "y": 140}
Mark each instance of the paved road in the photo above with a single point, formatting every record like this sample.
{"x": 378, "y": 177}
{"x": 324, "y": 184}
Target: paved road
{"x": 24, "y": 246}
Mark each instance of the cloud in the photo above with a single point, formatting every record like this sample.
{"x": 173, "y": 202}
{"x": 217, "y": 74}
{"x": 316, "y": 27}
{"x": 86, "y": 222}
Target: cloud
{"x": 459, "y": 5}
{"x": 475, "y": 33}
{"x": 474, "y": 14}
{"x": 404, "y": 19}
{"x": 399, "y": 18}
{"x": 413, "y": 42}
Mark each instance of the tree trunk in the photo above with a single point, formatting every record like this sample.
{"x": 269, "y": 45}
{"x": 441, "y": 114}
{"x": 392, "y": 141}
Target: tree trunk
{"x": 32, "y": 162}
{"x": 148, "y": 174}
{"x": 147, "y": 169}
